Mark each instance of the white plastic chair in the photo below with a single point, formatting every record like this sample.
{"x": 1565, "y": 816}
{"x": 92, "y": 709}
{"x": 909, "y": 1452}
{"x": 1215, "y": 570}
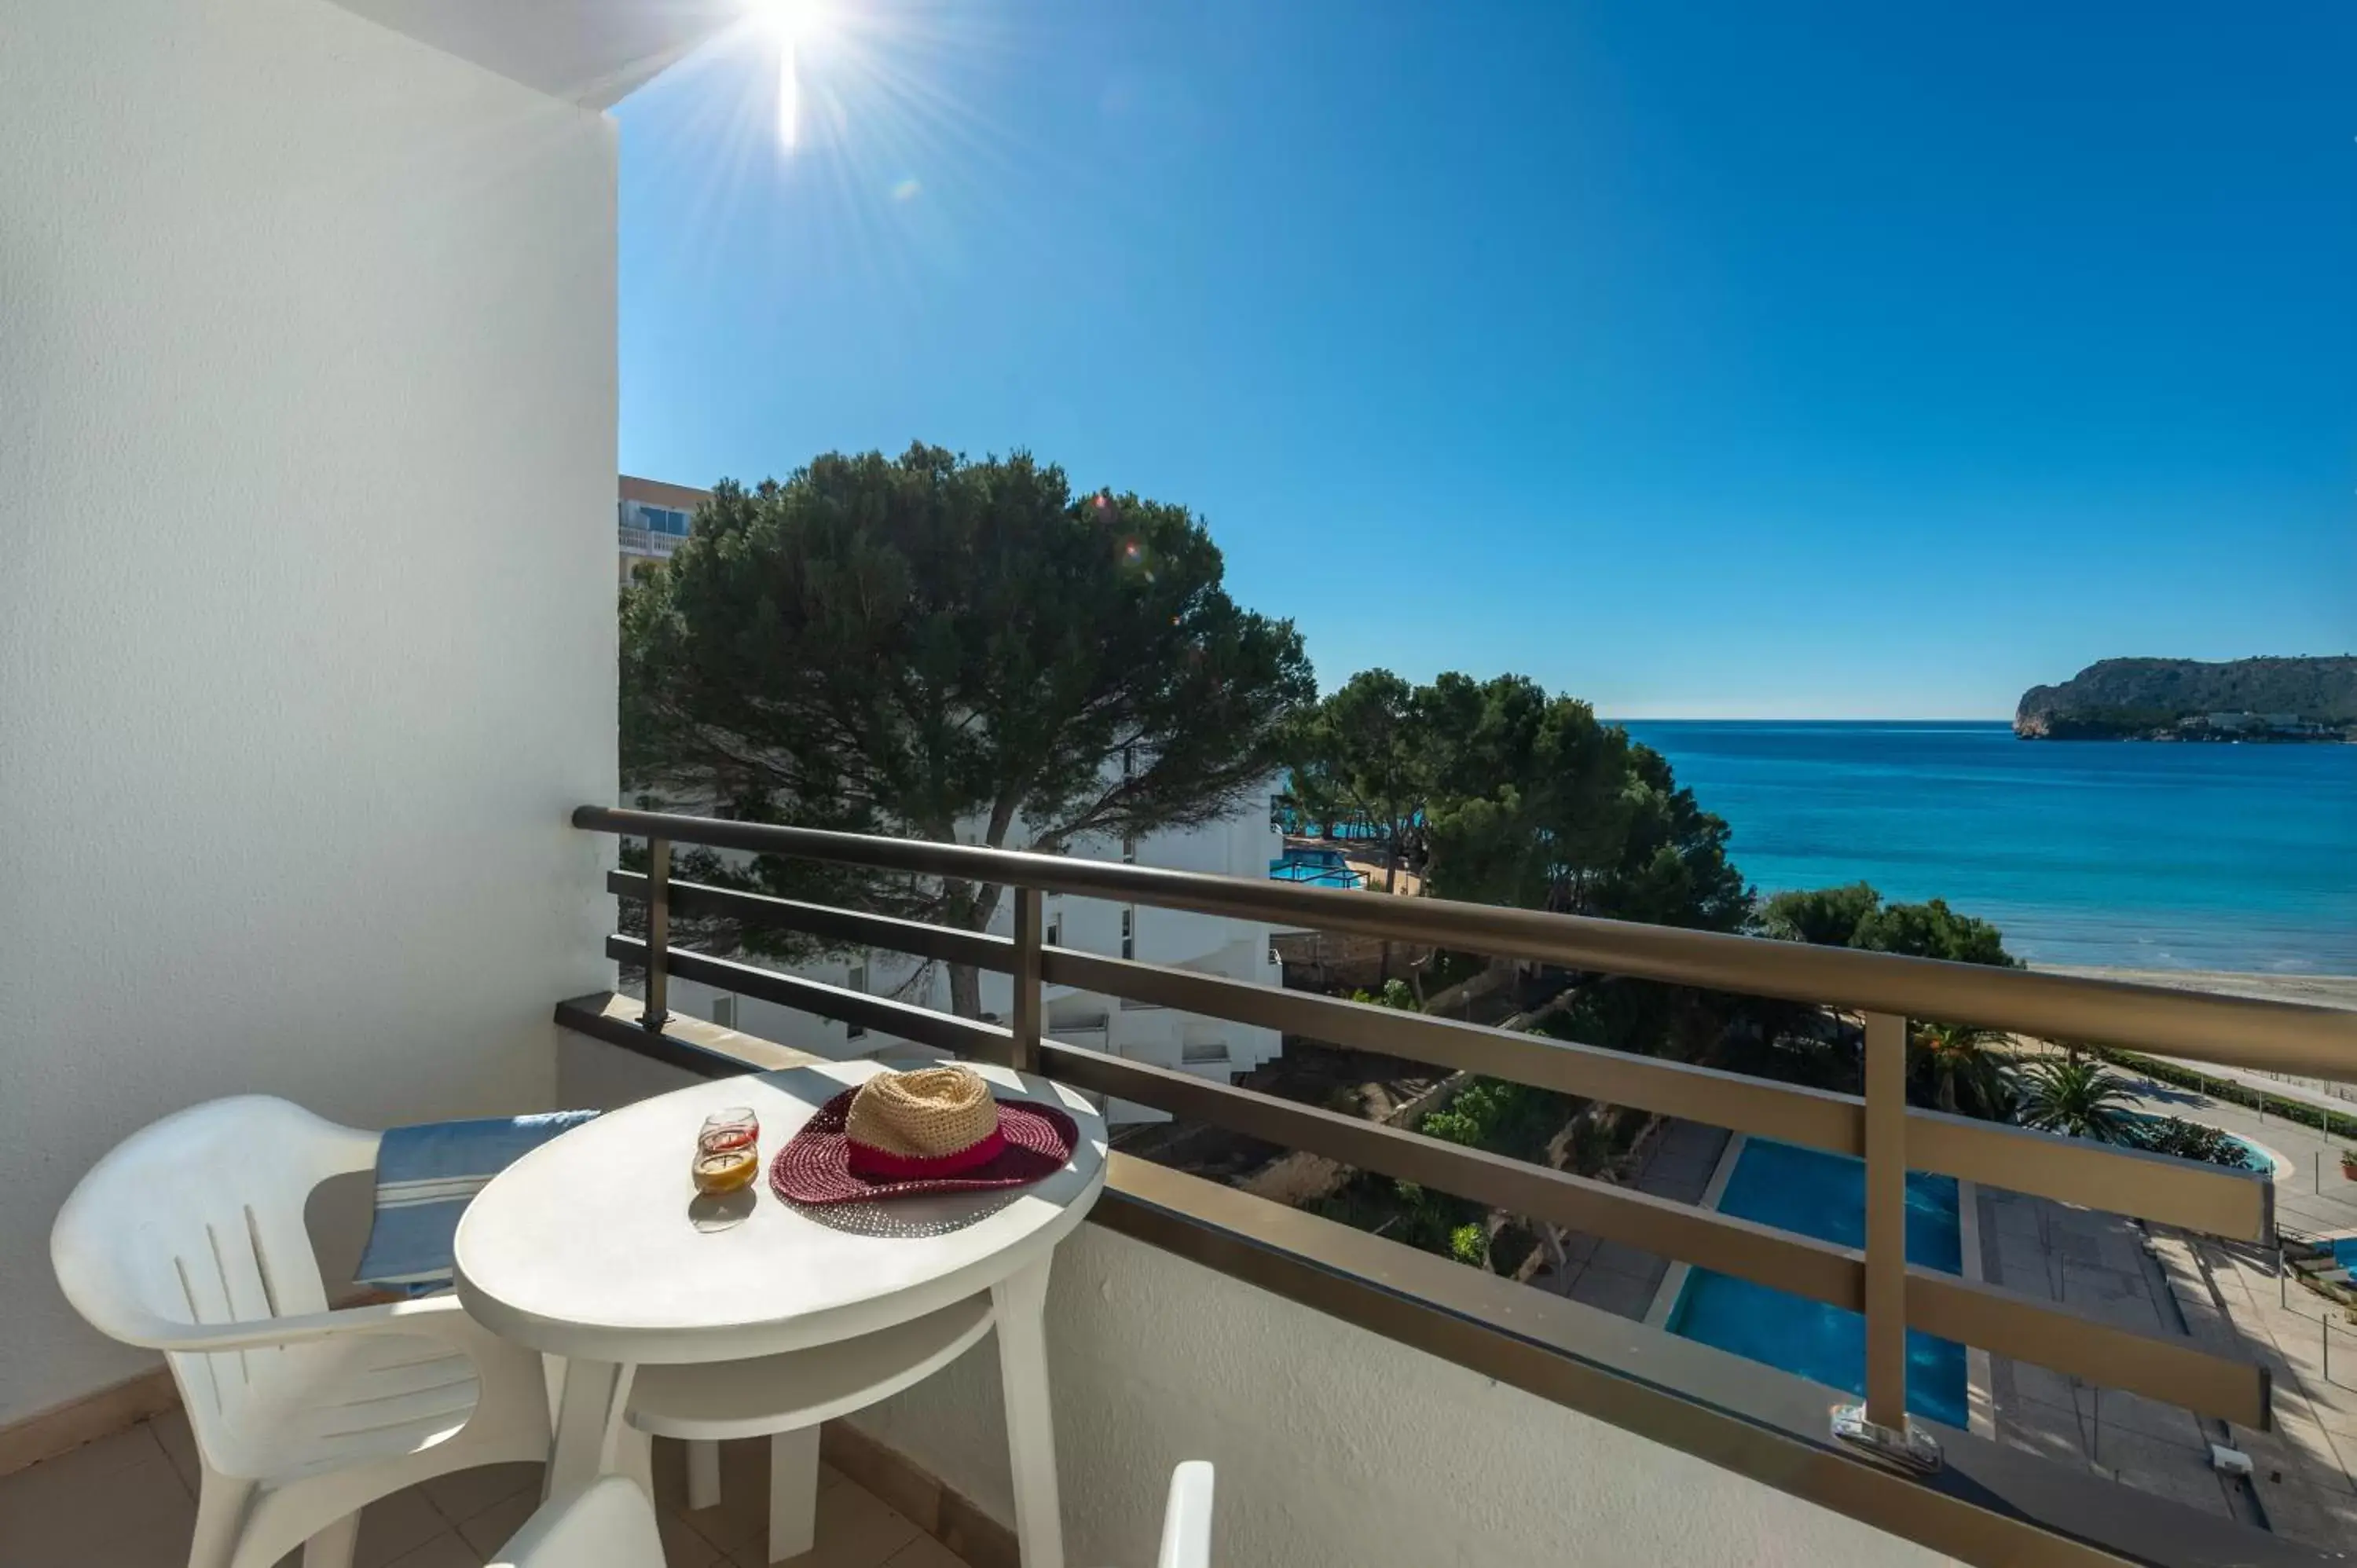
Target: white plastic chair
{"x": 187, "y": 1237}
{"x": 1186, "y": 1517}
{"x": 607, "y": 1524}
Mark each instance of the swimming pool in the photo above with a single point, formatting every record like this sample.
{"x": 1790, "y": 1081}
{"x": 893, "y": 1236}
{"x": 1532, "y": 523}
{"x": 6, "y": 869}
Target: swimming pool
{"x": 1318, "y": 867}
{"x": 1824, "y": 1195}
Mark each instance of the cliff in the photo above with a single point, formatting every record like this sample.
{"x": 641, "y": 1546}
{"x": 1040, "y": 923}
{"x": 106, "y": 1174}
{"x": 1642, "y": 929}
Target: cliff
{"x": 2152, "y": 698}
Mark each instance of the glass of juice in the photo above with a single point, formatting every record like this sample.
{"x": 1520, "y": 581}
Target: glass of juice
{"x": 728, "y": 1150}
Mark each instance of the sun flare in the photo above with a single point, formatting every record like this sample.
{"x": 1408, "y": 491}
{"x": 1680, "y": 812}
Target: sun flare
{"x": 792, "y": 25}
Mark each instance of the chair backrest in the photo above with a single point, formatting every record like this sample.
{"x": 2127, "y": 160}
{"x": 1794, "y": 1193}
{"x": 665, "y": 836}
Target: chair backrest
{"x": 198, "y": 1219}
{"x": 610, "y": 1524}
{"x": 1187, "y": 1518}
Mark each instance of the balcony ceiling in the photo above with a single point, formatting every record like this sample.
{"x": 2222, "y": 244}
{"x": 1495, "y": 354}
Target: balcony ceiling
{"x": 592, "y": 52}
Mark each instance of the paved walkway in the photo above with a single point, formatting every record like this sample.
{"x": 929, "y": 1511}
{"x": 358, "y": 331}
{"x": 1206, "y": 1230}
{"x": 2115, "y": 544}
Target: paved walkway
{"x": 2098, "y": 1263}
{"x": 1623, "y": 1279}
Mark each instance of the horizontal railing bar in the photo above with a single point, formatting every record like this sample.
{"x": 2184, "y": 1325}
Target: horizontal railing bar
{"x": 1746, "y": 1104}
{"x": 592, "y": 1015}
{"x": 2168, "y": 1368}
{"x": 2283, "y": 1036}
{"x": 1761, "y": 1253}
{"x": 2195, "y": 1195}
{"x": 853, "y": 928}
{"x": 944, "y": 1031}
{"x": 2238, "y": 1204}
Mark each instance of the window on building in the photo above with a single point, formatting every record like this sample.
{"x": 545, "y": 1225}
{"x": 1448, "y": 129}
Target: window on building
{"x": 723, "y": 1012}
{"x": 857, "y": 981}
{"x": 1055, "y": 933}
{"x": 1129, "y": 932}
{"x": 1128, "y": 762}
{"x": 1129, "y": 849}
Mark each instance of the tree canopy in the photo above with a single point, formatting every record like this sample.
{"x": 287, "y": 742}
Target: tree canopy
{"x": 1509, "y": 794}
{"x": 1854, "y": 916}
{"x": 1360, "y": 757}
{"x": 937, "y": 647}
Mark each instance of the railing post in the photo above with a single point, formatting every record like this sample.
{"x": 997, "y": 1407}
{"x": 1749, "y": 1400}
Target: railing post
{"x": 658, "y": 936}
{"x": 1881, "y": 1424}
{"x": 1025, "y": 1045}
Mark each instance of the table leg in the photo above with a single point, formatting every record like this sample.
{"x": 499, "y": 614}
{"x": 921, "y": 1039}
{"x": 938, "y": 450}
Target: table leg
{"x": 794, "y": 1492}
{"x": 587, "y": 1411}
{"x": 1020, "y": 1305}
{"x": 703, "y": 1473}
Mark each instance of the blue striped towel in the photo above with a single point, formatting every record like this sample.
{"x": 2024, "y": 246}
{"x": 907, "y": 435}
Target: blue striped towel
{"x": 425, "y": 1177}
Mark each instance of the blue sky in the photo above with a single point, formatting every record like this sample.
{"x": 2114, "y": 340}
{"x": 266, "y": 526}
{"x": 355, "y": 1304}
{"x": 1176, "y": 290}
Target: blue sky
{"x": 1811, "y": 360}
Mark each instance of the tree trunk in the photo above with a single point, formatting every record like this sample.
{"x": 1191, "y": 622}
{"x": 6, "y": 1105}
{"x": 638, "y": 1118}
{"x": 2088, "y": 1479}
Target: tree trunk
{"x": 970, "y": 908}
{"x": 965, "y": 991}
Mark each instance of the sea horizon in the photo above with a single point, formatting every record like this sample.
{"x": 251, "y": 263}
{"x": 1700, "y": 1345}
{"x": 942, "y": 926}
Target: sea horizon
{"x": 2120, "y": 855}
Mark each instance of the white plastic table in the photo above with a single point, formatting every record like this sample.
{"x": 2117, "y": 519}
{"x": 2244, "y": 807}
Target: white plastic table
{"x": 595, "y": 1248}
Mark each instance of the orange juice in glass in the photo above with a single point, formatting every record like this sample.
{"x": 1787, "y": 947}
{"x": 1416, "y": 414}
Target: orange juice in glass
{"x": 729, "y": 1151}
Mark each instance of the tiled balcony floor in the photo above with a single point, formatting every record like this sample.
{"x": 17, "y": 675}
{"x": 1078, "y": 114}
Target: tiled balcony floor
{"x": 129, "y": 1501}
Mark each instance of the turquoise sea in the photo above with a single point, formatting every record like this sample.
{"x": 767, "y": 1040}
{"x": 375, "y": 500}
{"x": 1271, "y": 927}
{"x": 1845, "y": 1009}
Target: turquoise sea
{"x": 2132, "y": 854}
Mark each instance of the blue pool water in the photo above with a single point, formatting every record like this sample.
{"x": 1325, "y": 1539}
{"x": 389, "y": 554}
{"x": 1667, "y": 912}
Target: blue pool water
{"x": 2143, "y": 856}
{"x": 1822, "y": 1195}
{"x": 1318, "y": 867}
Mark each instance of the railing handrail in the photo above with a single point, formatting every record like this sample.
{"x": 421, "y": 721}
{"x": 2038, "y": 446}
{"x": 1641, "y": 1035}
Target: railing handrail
{"x": 2234, "y": 1031}
{"x": 2233, "y": 1203}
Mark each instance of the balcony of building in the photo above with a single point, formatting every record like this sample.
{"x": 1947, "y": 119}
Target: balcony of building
{"x": 293, "y": 763}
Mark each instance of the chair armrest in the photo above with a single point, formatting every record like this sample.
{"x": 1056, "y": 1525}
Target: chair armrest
{"x": 435, "y": 1317}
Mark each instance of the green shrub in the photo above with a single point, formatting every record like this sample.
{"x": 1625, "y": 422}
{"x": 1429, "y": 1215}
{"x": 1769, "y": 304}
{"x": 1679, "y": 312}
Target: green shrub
{"x": 1467, "y": 1244}
{"x": 1396, "y": 994}
{"x": 1501, "y": 1117}
{"x": 2190, "y": 1141}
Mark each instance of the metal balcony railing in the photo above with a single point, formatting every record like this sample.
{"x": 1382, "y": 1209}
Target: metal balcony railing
{"x": 1892, "y": 1138}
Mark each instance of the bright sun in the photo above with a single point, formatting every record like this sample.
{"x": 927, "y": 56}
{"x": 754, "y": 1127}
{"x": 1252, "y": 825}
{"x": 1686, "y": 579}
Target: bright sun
{"x": 794, "y": 24}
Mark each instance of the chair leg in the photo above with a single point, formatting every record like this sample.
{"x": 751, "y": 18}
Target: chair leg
{"x": 1019, "y": 1305}
{"x": 220, "y": 1516}
{"x": 332, "y": 1547}
{"x": 793, "y": 1493}
{"x": 634, "y": 1456}
{"x": 702, "y": 1474}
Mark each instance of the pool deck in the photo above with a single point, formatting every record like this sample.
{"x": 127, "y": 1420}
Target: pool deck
{"x": 2219, "y": 1294}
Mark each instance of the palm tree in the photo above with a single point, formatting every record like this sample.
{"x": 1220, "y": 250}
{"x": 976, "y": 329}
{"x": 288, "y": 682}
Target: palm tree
{"x": 1957, "y": 1068}
{"x": 2079, "y": 1099}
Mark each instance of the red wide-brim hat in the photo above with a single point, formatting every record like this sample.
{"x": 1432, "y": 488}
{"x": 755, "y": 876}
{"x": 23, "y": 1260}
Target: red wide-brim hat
{"x": 1035, "y": 1142}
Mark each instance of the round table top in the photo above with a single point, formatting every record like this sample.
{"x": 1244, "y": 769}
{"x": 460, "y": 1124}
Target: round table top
{"x": 597, "y": 1245}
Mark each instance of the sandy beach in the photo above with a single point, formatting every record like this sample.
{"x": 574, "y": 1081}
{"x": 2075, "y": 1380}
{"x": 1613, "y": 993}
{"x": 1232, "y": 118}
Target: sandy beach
{"x": 2315, "y": 990}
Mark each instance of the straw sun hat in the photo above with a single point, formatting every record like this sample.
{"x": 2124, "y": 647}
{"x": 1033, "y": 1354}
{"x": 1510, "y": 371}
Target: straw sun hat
{"x": 933, "y": 1130}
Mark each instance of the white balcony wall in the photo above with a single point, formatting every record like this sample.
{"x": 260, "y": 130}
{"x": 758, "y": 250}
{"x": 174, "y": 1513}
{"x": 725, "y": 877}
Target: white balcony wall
{"x": 307, "y": 634}
{"x": 1335, "y": 1447}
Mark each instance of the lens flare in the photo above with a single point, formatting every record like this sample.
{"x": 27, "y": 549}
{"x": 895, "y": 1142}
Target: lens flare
{"x": 792, "y": 24}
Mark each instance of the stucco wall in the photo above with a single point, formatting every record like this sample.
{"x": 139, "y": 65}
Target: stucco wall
{"x": 307, "y": 615}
